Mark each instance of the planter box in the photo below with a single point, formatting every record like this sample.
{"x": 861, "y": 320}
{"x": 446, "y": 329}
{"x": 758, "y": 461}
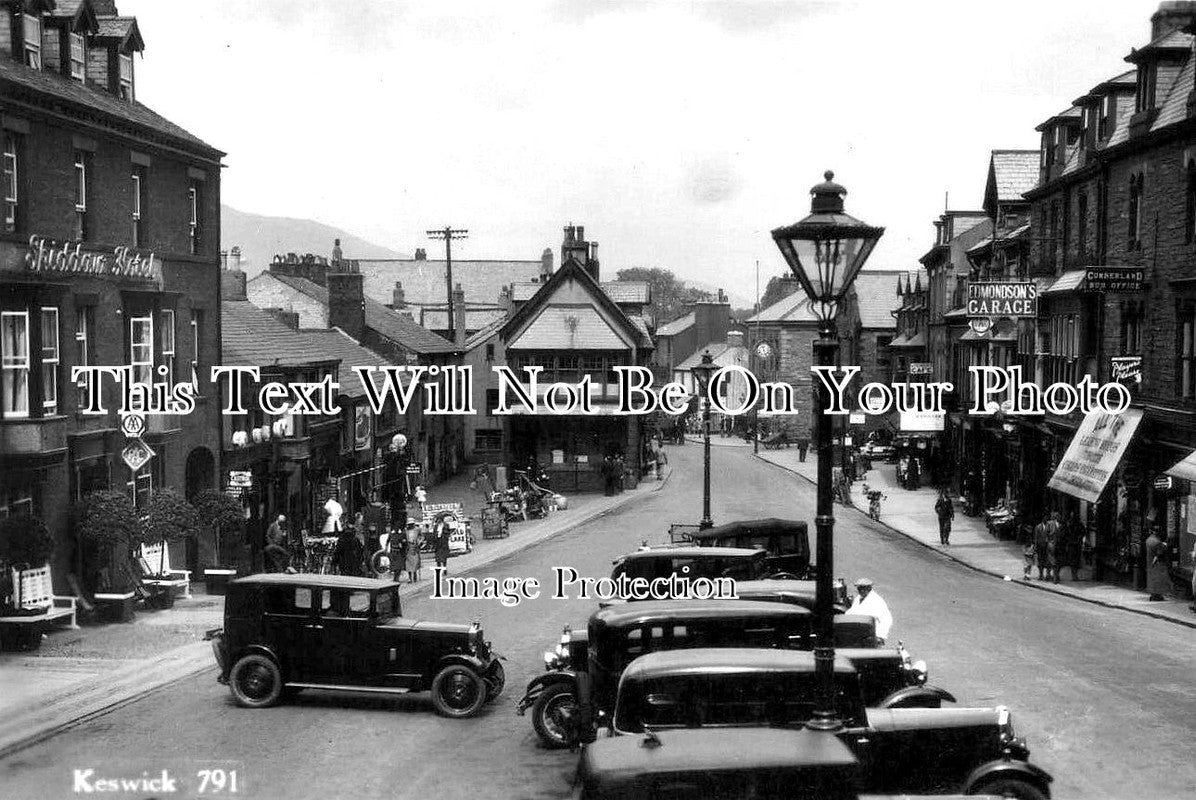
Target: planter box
{"x": 161, "y": 599}
{"x": 20, "y": 637}
{"x": 115, "y": 607}
{"x": 216, "y": 580}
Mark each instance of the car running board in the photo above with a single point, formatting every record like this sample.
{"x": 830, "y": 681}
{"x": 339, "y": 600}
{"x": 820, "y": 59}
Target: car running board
{"x": 343, "y": 688}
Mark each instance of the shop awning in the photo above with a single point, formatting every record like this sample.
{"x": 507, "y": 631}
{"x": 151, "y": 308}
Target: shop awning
{"x": 1185, "y": 469}
{"x": 1094, "y": 453}
{"x": 1070, "y": 281}
{"x": 917, "y": 340}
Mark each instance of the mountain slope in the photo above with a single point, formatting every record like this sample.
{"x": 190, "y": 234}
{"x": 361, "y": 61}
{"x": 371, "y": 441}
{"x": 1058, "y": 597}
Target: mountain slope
{"x": 261, "y": 237}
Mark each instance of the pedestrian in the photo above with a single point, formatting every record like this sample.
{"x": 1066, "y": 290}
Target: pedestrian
{"x": 348, "y": 553}
{"x": 1158, "y": 578}
{"x": 1192, "y": 557}
{"x": 869, "y": 603}
{"x": 945, "y": 511}
{"x": 1045, "y": 531}
{"x": 1071, "y": 542}
{"x": 608, "y": 484}
{"x": 440, "y": 541}
{"x": 1029, "y": 556}
{"x": 334, "y": 510}
{"x": 620, "y": 468}
{"x": 412, "y": 557}
{"x": 276, "y": 544}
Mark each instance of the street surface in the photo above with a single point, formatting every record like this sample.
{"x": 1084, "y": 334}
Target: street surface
{"x": 1103, "y": 696}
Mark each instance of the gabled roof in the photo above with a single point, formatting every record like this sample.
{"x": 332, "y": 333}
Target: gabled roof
{"x": 573, "y": 270}
{"x": 677, "y": 326}
{"x": 628, "y": 291}
{"x": 122, "y": 29}
{"x": 724, "y": 355}
{"x": 1070, "y": 114}
{"x": 874, "y": 298}
{"x": 251, "y": 337}
{"x": 16, "y": 78}
{"x": 794, "y": 308}
{"x": 79, "y": 13}
{"x": 1174, "y": 41}
{"x": 424, "y": 281}
{"x": 485, "y": 334}
{"x": 1011, "y": 173}
{"x": 399, "y": 328}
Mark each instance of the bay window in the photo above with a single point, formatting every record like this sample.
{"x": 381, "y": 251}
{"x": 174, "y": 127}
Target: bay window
{"x": 14, "y": 363}
{"x": 50, "y": 360}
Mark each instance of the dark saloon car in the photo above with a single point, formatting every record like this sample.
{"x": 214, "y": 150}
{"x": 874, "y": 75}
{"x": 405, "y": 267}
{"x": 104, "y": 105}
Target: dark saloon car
{"x": 283, "y": 633}
{"x": 798, "y": 592}
{"x": 577, "y": 691}
{"x": 786, "y": 541}
{"x": 753, "y": 764}
{"x": 650, "y": 563}
{"x": 967, "y": 750}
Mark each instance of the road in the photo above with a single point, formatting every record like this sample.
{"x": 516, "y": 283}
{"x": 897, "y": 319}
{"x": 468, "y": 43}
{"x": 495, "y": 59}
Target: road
{"x": 1103, "y": 696}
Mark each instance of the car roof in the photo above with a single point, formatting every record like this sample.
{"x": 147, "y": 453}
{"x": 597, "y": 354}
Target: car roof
{"x": 697, "y": 552}
{"x": 769, "y": 526}
{"x": 705, "y": 660}
{"x": 315, "y": 581}
{"x": 648, "y": 610}
{"x": 623, "y": 757}
{"x": 776, "y": 586}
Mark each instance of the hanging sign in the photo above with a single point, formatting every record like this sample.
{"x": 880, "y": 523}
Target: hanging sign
{"x": 240, "y": 478}
{"x": 136, "y": 454}
{"x": 132, "y": 425}
{"x": 1094, "y": 453}
{"x": 362, "y": 427}
{"x": 921, "y": 368}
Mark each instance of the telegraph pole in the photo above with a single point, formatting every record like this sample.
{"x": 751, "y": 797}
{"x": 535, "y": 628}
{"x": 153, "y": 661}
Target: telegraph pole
{"x": 447, "y": 234}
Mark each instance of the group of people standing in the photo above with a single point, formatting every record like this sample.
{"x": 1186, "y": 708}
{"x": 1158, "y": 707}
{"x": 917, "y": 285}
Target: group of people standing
{"x": 613, "y": 468}
{"x": 1056, "y": 543}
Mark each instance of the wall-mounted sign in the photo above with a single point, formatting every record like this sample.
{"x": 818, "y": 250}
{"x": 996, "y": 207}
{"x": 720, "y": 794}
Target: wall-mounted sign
{"x": 1127, "y": 369}
{"x": 856, "y": 419}
{"x": 362, "y": 427}
{"x": 921, "y": 368}
{"x": 999, "y": 299}
{"x": 414, "y": 469}
{"x": 1114, "y": 279}
{"x": 242, "y": 479}
{"x": 47, "y": 255}
{"x": 923, "y": 420}
{"x": 1163, "y": 483}
{"x": 1094, "y": 453}
{"x": 136, "y": 454}
{"x": 132, "y": 425}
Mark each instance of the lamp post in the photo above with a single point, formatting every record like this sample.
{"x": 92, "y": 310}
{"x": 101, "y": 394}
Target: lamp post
{"x": 825, "y": 251}
{"x": 702, "y": 373}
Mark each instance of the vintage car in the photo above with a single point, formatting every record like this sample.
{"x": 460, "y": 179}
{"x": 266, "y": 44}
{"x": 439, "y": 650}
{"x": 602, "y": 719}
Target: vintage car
{"x": 588, "y": 664}
{"x": 787, "y": 543}
{"x": 966, "y": 750}
{"x": 800, "y": 592}
{"x": 284, "y": 633}
{"x": 650, "y": 563}
{"x": 750, "y": 764}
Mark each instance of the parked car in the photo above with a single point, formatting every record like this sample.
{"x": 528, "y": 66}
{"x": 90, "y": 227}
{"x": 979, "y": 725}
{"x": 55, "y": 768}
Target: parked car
{"x": 800, "y": 592}
{"x": 738, "y": 563}
{"x": 755, "y": 764}
{"x": 284, "y": 633}
{"x": 966, "y": 750}
{"x": 787, "y": 543}
{"x": 588, "y": 664}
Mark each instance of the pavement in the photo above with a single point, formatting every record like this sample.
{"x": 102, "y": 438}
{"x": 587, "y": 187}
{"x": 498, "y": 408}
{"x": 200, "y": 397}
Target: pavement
{"x": 77, "y": 675}
{"x": 911, "y": 513}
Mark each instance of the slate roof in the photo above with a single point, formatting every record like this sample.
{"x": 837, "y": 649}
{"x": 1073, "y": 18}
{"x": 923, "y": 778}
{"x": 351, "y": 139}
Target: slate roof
{"x": 337, "y": 344}
{"x": 14, "y": 74}
{"x": 251, "y": 337}
{"x": 569, "y": 328}
{"x": 423, "y": 281}
{"x": 677, "y": 326}
{"x": 436, "y": 319}
{"x": 1015, "y": 173}
{"x": 875, "y": 298}
{"x": 385, "y": 322}
{"x": 628, "y": 291}
{"x": 1172, "y": 40}
{"x": 724, "y": 355}
{"x": 794, "y": 308}
{"x": 485, "y": 333}
{"x": 1175, "y": 107}
{"x": 123, "y": 28}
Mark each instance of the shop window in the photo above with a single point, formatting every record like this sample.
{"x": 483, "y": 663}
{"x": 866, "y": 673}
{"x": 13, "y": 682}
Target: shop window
{"x": 11, "y": 191}
{"x": 141, "y": 349}
{"x": 78, "y": 57}
{"x": 14, "y": 360}
{"x": 166, "y": 337}
{"x": 81, "y": 221}
{"x": 31, "y": 27}
{"x": 91, "y": 476}
{"x": 50, "y": 360}
{"x": 84, "y": 324}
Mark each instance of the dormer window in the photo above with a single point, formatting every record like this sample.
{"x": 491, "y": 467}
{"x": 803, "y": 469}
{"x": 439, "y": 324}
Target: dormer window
{"x": 78, "y": 56}
{"x": 126, "y": 77}
{"x": 32, "y": 29}
{"x": 1103, "y": 123}
{"x": 1146, "y": 85}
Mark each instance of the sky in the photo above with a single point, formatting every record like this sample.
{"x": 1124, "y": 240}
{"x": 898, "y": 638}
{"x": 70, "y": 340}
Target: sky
{"x": 678, "y": 133}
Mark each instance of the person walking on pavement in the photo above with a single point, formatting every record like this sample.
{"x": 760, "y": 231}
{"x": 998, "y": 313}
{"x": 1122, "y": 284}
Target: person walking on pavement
{"x": 871, "y": 604}
{"x": 1071, "y": 541}
{"x": 1045, "y": 532}
{"x": 945, "y": 511}
{"x": 332, "y": 523}
{"x": 1158, "y": 581}
{"x": 440, "y": 540}
{"x": 348, "y": 553}
{"x": 412, "y": 556}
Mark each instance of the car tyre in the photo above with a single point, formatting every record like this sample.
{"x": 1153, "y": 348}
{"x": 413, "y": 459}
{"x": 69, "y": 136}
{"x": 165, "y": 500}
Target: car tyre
{"x": 458, "y": 692}
{"x": 1010, "y": 787}
{"x": 256, "y": 681}
{"x": 555, "y": 716}
{"x": 496, "y": 680}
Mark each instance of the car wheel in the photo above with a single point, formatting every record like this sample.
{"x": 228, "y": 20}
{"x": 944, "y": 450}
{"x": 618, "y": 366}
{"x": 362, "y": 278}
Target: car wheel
{"x": 1010, "y": 787}
{"x": 458, "y": 691}
{"x": 555, "y": 716}
{"x": 496, "y": 680}
{"x": 255, "y": 681}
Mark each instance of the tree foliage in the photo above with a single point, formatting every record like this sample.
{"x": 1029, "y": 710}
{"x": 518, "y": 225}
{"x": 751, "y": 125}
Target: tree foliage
{"x": 779, "y": 287}
{"x": 169, "y": 518}
{"x": 25, "y": 540}
{"x": 670, "y": 294}
{"x": 217, "y": 509}
{"x": 108, "y": 517}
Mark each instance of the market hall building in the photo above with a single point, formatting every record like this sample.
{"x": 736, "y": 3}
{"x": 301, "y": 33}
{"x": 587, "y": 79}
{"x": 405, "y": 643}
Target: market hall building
{"x": 109, "y": 246}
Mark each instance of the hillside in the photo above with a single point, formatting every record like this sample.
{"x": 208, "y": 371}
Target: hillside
{"x": 261, "y": 237}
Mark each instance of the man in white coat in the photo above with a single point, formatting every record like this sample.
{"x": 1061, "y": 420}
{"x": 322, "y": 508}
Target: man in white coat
{"x": 332, "y": 525}
{"x": 869, "y": 603}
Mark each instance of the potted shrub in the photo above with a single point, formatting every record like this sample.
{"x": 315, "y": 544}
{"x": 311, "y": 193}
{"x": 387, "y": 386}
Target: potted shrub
{"x": 222, "y": 514}
{"x": 108, "y": 529}
{"x": 169, "y": 519}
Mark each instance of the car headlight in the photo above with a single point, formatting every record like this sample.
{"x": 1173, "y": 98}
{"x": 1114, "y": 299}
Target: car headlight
{"x": 920, "y": 671}
{"x": 551, "y": 660}
{"x": 1005, "y": 724}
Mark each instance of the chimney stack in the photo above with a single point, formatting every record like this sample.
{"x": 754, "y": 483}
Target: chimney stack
{"x": 398, "y": 298}
{"x": 346, "y": 303}
{"x": 458, "y": 315}
{"x": 504, "y": 296}
{"x": 735, "y": 338}
{"x": 232, "y": 285}
{"x": 545, "y": 265}
{"x": 421, "y": 254}
{"x": 1172, "y": 15}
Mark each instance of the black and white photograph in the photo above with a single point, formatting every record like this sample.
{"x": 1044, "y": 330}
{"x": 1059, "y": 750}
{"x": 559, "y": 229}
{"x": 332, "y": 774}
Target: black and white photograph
{"x": 337, "y": 460}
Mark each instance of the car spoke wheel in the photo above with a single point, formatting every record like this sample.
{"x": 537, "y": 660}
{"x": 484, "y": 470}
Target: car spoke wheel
{"x": 255, "y": 681}
{"x": 458, "y": 691}
{"x": 1012, "y": 788}
{"x": 555, "y": 716}
{"x": 496, "y": 680}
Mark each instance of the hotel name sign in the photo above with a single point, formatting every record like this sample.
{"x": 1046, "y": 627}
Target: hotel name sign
{"x": 47, "y": 255}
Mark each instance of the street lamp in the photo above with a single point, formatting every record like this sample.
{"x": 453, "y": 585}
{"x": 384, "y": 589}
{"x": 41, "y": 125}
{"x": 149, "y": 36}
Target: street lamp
{"x": 826, "y": 251}
{"x": 702, "y": 372}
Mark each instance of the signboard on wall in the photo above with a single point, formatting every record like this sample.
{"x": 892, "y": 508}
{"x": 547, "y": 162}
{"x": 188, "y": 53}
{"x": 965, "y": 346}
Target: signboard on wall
{"x": 1114, "y": 279}
{"x": 1094, "y": 453}
{"x": 1127, "y": 369}
{"x": 1003, "y": 299}
{"x": 923, "y": 420}
{"x": 921, "y": 368}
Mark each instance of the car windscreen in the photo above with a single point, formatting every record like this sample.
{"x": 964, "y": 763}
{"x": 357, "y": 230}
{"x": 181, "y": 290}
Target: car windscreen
{"x": 387, "y": 603}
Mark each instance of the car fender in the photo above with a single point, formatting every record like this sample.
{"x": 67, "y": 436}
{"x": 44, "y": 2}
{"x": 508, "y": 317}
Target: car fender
{"x": 917, "y": 697}
{"x": 473, "y": 662}
{"x": 538, "y": 684}
{"x": 1008, "y": 768}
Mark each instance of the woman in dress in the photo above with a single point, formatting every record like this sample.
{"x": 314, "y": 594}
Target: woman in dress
{"x": 413, "y": 562}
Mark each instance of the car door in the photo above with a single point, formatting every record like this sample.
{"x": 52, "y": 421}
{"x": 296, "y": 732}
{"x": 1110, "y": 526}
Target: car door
{"x": 286, "y": 620}
{"x": 333, "y": 635}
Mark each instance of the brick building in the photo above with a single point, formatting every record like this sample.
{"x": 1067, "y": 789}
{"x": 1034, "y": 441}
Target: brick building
{"x": 108, "y": 256}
